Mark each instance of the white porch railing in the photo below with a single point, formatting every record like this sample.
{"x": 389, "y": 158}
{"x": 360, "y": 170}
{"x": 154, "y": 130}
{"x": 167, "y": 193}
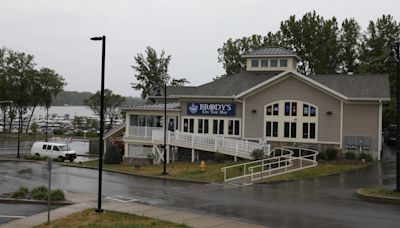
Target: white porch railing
{"x": 142, "y": 132}
{"x": 233, "y": 147}
{"x": 283, "y": 160}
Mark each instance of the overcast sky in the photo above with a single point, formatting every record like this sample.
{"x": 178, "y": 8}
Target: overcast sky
{"x": 57, "y": 32}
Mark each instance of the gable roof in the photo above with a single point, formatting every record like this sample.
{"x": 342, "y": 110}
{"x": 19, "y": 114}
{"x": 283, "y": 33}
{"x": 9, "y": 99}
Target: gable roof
{"x": 271, "y": 52}
{"x": 347, "y": 87}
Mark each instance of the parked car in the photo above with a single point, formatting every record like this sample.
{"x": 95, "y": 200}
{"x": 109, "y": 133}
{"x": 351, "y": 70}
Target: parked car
{"x": 53, "y": 150}
{"x": 390, "y": 134}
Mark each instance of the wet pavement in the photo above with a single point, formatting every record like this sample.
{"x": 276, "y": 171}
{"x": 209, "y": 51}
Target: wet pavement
{"x": 9, "y": 212}
{"x": 319, "y": 202}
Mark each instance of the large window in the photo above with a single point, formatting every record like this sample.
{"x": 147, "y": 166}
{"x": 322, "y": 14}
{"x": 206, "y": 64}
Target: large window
{"x": 297, "y": 121}
{"x": 283, "y": 62}
{"x": 255, "y": 63}
{"x": 273, "y": 63}
{"x": 264, "y": 62}
{"x": 233, "y": 127}
{"x": 188, "y": 125}
{"x": 202, "y": 126}
{"x": 145, "y": 121}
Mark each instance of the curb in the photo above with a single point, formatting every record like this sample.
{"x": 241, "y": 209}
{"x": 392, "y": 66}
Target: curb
{"x": 31, "y": 201}
{"x": 139, "y": 175}
{"x": 382, "y": 199}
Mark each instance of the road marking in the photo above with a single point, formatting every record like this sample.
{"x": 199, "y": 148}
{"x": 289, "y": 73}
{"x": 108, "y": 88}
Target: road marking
{"x": 122, "y": 199}
{"x": 12, "y": 216}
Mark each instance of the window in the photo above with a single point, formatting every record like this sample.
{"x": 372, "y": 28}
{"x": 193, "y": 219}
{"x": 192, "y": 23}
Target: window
{"x": 283, "y": 62}
{"x": 205, "y": 131}
{"x": 272, "y": 110}
{"x": 200, "y": 126}
{"x": 290, "y": 130}
{"x": 233, "y": 127}
{"x": 191, "y": 125}
{"x": 271, "y": 129}
{"x": 290, "y": 108}
{"x": 55, "y": 148}
{"x": 215, "y": 126}
{"x": 218, "y": 127}
{"x": 44, "y": 146}
{"x": 309, "y": 110}
{"x": 185, "y": 125}
{"x": 188, "y": 125}
{"x": 273, "y": 63}
{"x": 264, "y": 63}
{"x": 221, "y": 127}
{"x": 308, "y": 130}
{"x": 48, "y": 147}
{"x": 254, "y": 63}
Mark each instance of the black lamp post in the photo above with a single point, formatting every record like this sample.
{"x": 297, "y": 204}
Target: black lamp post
{"x": 394, "y": 59}
{"x": 103, "y": 58}
{"x": 165, "y": 128}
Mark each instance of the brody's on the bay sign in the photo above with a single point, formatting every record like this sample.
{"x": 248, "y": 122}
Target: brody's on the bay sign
{"x": 210, "y": 109}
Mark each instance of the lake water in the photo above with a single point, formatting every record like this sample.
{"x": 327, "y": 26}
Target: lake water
{"x": 62, "y": 110}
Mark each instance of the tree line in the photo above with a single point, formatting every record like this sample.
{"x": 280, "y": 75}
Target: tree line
{"x": 325, "y": 46}
{"x": 26, "y": 86}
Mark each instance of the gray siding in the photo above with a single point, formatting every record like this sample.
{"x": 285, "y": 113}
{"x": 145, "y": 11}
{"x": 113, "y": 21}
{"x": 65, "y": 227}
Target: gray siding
{"x": 291, "y": 88}
{"x": 361, "y": 120}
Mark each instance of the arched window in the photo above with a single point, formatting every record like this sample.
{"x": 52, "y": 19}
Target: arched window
{"x": 291, "y": 120}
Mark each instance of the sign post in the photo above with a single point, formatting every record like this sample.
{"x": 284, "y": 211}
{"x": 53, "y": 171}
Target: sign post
{"x": 49, "y": 167}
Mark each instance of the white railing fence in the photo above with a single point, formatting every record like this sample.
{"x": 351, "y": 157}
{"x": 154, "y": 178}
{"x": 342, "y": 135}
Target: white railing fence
{"x": 242, "y": 170}
{"x": 234, "y": 147}
{"x": 282, "y": 160}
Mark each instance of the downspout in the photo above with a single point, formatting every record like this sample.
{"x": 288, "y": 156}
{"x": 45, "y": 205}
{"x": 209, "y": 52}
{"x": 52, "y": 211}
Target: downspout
{"x": 243, "y": 114}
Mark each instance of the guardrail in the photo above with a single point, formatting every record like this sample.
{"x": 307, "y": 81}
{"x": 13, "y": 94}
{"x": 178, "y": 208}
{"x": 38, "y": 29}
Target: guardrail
{"x": 242, "y": 170}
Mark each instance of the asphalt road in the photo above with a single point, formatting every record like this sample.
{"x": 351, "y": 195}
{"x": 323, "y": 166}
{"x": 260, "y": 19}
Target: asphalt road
{"x": 319, "y": 202}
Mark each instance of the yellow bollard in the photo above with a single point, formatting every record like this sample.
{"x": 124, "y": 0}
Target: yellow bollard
{"x": 202, "y": 166}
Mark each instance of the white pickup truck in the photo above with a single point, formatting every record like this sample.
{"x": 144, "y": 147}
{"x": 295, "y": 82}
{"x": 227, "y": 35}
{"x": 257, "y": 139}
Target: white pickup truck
{"x": 53, "y": 150}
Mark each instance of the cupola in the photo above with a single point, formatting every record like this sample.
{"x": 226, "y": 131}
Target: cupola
{"x": 271, "y": 59}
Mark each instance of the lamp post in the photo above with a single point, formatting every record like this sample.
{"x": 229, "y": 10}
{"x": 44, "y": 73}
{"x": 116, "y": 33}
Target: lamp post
{"x": 165, "y": 127}
{"x": 393, "y": 58}
{"x": 103, "y": 58}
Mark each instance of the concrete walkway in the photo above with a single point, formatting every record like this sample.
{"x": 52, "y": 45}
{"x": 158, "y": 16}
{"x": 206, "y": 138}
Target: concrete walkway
{"x": 85, "y": 201}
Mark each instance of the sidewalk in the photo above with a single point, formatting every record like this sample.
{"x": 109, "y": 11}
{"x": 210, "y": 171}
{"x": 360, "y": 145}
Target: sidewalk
{"x": 85, "y": 201}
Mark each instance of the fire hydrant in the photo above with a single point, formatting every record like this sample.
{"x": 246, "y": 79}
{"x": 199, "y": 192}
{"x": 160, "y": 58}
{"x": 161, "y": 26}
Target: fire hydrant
{"x": 202, "y": 166}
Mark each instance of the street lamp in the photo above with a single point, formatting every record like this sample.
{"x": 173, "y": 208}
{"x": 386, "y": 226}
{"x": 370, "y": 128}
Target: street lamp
{"x": 103, "y": 58}
{"x": 165, "y": 127}
{"x": 393, "y": 59}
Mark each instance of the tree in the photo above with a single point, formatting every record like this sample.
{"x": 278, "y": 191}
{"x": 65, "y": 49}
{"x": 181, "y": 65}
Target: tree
{"x": 350, "y": 42}
{"x": 152, "y": 72}
{"x": 111, "y": 104}
{"x": 230, "y": 55}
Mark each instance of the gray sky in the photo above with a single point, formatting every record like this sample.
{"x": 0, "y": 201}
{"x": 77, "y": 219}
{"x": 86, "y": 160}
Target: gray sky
{"x": 57, "y": 32}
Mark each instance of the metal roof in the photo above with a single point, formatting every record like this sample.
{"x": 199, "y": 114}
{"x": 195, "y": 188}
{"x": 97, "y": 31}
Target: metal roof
{"x": 271, "y": 51}
{"x": 152, "y": 107}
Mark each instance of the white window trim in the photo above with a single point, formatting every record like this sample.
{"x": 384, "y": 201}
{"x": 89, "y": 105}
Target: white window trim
{"x": 299, "y": 119}
{"x": 210, "y": 125}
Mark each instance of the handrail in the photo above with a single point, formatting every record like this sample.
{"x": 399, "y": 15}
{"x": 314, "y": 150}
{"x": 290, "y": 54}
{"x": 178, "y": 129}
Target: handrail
{"x": 245, "y": 167}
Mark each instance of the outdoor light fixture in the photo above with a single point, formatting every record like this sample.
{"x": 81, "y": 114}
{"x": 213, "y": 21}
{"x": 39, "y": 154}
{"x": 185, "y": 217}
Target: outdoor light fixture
{"x": 254, "y": 111}
{"x": 103, "y": 58}
{"x": 393, "y": 59}
{"x": 329, "y": 113}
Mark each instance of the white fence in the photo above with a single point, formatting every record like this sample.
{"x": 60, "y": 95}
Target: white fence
{"x": 233, "y": 147}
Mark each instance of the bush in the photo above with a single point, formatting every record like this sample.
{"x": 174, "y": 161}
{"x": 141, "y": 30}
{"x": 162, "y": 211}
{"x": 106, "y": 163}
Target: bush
{"x": 20, "y": 193}
{"x": 39, "y": 193}
{"x": 367, "y": 157}
{"x": 331, "y": 153}
{"x": 113, "y": 155}
{"x": 350, "y": 155}
{"x": 35, "y": 157}
{"x": 257, "y": 154}
{"x": 218, "y": 157}
{"x": 57, "y": 195}
{"x": 322, "y": 156}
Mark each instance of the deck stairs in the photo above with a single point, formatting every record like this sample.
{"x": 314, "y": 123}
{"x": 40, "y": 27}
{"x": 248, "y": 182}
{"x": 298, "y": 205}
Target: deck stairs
{"x": 281, "y": 160}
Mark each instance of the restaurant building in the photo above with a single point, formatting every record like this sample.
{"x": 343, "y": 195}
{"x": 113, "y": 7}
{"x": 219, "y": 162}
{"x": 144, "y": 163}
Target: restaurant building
{"x": 269, "y": 102}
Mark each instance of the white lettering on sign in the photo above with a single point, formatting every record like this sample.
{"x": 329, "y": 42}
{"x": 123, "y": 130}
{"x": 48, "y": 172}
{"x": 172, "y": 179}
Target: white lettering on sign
{"x": 211, "y": 109}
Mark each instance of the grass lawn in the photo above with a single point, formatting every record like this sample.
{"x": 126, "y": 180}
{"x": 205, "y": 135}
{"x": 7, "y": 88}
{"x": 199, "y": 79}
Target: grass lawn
{"x": 177, "y": 170}
{"x": 323, "y": 169}
{"x": 379, "y": 192}
{"x": 89, "y": 218}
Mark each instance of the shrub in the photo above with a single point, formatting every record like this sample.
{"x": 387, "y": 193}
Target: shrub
{"x": 218, "y": 157}
{"x": 322, "y": 155}
{"x": 113, "y": 155}
{"x": 22, "y": 192}
{"x": 34, "y": 157}
{"x": 57, "y": 195}
{"x": 39, "y": 193}
{"x": 350, "y": 155}
{"x": 257, "y": 154}
{"x": 331, "y": 153}
{"x": 367, "y": 157}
